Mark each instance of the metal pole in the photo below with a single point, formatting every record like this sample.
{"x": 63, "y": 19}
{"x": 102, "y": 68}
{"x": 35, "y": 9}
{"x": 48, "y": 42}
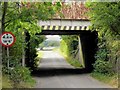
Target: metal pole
{"x": 8, "y": 62}
{"x": 23, "y": 56}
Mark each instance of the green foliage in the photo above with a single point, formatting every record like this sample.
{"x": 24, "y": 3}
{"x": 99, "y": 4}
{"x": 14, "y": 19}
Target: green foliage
{"x": 64, "y": 48}
{"x": 103, "y": 67}
{"x": 37, "y": 59}
{"x": 105, "y": 15}
{"x": 105, "y": 19}
{"x": 112, "y": 80}
{"x": 13, "y": 61}
{"x": 17, "y": 75}
{"x": 34, "y": 43}
{"x": 68, "y": 46}
{"x": 74, "y": 62}
{"x": 22, "y": 17}
{"x": 69, "y": 43}
{"x": 102, "y": 54}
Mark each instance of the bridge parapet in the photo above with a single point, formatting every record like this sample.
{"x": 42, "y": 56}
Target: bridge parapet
{"x": 64, "y": 22}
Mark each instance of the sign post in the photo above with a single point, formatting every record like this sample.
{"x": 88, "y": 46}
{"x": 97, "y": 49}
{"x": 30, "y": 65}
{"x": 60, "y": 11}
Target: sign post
{"x": 8, "y": 62}
{"x": 7, "y": 39}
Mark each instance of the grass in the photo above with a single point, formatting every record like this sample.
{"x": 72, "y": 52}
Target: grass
{"x": 29, "y": 84}
{"x": 70, "y": 60}
{"x": 38, "y": 58}
{"x": 111, "y": 80}
{"x": 74, "y": 62}
{"x": 7, "y": 83}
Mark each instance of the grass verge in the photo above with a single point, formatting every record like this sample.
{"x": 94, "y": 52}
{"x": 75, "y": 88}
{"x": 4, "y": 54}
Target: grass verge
{"x": 70, "y": 60}
{"x": 38, "y": 58}
{"x": 73, "y": 62}
{"x": 111, "y": 80}
{"x": 7, "y": 83}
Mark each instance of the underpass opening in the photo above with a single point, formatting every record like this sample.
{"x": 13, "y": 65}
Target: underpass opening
{"x": 60, "y": 52}
{"x": 88, "y": 44}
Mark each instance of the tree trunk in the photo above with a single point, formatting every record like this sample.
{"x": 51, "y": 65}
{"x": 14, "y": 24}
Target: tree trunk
{"x": 4, "y": 10}
{"x": 5, "y": 5}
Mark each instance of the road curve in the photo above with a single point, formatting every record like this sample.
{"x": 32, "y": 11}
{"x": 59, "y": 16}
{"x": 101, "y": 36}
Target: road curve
{"x": 52, "y": 60}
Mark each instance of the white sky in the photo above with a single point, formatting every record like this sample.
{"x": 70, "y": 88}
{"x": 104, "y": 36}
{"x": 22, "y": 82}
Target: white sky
{"x": 53, "y": 37}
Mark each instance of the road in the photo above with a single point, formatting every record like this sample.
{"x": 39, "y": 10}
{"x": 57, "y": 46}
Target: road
{"x": 53, "y": 60}
{"x": 52, "y": 74}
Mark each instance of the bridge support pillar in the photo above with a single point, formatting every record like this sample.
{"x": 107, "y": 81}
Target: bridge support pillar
{"x": 80, "y": 52}
{"x": 89, "y": 48}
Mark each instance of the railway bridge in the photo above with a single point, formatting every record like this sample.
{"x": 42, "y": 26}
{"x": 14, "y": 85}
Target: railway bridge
{"x": 86, "y": 37}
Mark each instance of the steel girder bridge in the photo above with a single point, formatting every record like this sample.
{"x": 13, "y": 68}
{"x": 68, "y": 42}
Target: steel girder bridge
{"x": 87, "y": 38}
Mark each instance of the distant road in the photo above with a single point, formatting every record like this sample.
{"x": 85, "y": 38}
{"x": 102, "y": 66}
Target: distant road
{"x": 52, "y": 60}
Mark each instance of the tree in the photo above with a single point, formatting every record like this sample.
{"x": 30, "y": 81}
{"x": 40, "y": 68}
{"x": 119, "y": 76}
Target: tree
{"x": 105, "y": 18}
{"x": 5, "y": 5}
{"x": 21, "y": 18}
{"x": 105, "y": 15}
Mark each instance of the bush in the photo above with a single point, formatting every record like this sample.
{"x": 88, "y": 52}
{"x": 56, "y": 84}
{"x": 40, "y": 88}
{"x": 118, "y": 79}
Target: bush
{"x": 111, "y": 80}
{"x": 102, "y": 63}
{"x": 101, "y": 66}
{"x": 64, "y": 47}
{"x": 68, "y": 47}
{"x": 19, "y": 75}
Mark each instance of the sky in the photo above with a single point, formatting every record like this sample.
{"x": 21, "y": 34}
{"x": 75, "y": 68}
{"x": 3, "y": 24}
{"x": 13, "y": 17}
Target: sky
{"x": 53, "y": 37}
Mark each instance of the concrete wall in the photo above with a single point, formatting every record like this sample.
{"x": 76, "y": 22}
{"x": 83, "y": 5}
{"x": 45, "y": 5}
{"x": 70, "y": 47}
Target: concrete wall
{"x": 89, "y": 47}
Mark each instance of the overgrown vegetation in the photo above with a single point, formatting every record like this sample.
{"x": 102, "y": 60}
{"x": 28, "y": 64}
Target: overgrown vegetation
{"x": 21, "y": 18}
{"x": 33, "y": 53}
{"x": 17, "y": 77}
{"x": 111, "y": 80}
{"x": 105, "y": 19}
{"x": 74, "y": 62}
{"x": 68, "y": 48}
{"x": 38, "y": 59}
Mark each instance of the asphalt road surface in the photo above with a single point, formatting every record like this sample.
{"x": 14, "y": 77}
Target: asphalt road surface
{"x": 52, "y": 74}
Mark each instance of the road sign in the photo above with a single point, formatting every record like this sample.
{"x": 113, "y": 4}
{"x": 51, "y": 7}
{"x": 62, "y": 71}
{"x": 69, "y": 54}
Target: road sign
{"x": 7, "y": 39}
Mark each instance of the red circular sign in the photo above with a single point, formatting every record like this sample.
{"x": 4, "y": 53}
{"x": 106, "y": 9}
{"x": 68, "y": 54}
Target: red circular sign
{"x": 7, "y": 39}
